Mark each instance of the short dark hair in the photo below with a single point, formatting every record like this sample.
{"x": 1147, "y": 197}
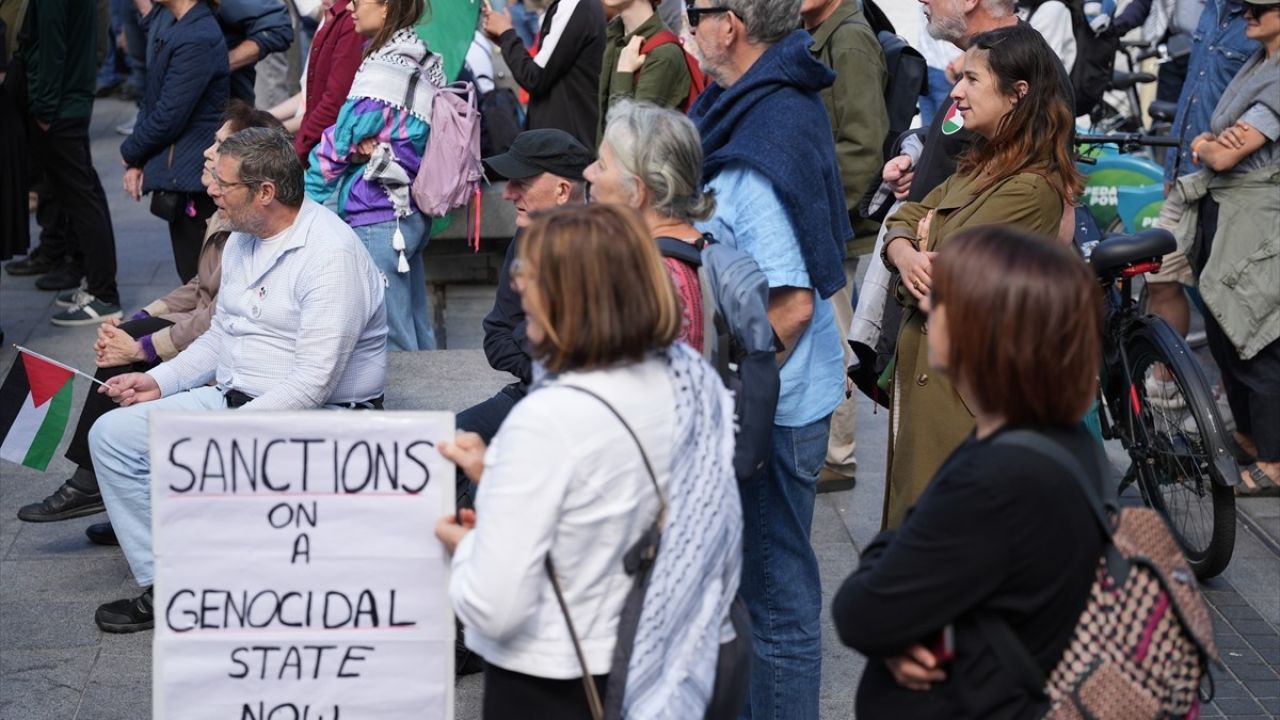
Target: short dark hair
{"x": 596, "y": 284}
{"x": 1024, "y": 318}
{"x": 267, "y": 155}
{"x": 241, "y": 115}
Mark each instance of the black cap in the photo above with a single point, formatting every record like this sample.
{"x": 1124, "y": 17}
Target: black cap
{"x": 534, "y": 152}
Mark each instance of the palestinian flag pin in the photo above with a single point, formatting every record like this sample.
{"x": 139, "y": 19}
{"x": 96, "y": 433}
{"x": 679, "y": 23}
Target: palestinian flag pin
{"x": 953, "y": 122}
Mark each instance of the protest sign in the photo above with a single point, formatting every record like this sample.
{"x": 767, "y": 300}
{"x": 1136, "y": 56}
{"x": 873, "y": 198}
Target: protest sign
{"x": 298, "y": 576}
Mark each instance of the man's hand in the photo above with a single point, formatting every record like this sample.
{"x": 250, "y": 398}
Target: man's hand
{"x": 115, "y": 347}
{"x": 790, "y": 310}
{"x": 450, "y": 529}
{"x": 131, "y": 388}
{"x": 133, "y": 183}
{"x": 1233, "y": 138}
{"x": 496, "y": 22}
{"x": 630, "y": 59}
{"x": 467, "y": 452}
{"x": 898, "y": 173}
{"x": 916, "y": 669}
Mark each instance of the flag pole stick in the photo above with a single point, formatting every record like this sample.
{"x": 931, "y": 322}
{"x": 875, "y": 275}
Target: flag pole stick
{"x": 55, "y": 362}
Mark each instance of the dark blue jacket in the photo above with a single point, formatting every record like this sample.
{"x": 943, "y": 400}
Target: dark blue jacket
{"x": 772, "y": 120}
{"x": 265, "y": 22}
{"x": 186, "y": 94}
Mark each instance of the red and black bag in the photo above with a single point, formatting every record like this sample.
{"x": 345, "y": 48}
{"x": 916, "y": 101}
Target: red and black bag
{"x": 697, "y": 79}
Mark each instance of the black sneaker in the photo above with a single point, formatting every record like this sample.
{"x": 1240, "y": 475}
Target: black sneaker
{"x": 92, "y": 312}
{"x": 63, "y": 277}
{"x": 101, "y": 534}
{"x": 30, "y": 265}
{"x": 65, "y": 503}
{"x": 127, "y": 616}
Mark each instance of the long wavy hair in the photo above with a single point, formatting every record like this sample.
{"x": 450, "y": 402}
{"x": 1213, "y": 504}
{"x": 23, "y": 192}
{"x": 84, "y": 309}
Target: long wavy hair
{"x": 1036, "y": 133}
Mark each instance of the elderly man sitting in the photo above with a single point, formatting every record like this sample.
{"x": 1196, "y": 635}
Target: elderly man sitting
{"x": 300, "y": 323}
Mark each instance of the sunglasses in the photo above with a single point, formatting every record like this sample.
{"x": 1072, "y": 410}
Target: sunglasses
{"x": 696, "y": 14}
{"x": 1251, "y": 9}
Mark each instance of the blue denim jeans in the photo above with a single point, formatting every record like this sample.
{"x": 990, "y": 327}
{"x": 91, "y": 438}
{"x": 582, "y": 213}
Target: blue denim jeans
{"x": 120, "y": 444}
{"x": 408, "y": 308}
{"x": 780, "y": 581}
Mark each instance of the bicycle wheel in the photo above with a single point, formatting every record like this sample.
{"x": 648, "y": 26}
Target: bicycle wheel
{"x": 1177, "y": 444}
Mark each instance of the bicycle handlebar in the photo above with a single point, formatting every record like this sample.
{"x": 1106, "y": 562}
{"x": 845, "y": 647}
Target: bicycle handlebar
{"x": 1129, "y": 140}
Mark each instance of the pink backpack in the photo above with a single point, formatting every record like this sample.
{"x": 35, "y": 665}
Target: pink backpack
{"x": 450, "y": 174}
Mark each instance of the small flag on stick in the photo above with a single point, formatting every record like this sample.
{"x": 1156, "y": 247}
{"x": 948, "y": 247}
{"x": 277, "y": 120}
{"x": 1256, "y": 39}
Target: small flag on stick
{"x": 35, "y": 404}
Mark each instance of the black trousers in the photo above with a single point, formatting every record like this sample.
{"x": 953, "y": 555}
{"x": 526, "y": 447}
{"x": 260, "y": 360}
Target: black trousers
{"x": 513, "y": 695}
{"x": 97, "y": 404}
{"x": 1252, "y": 386}
{"x": 1170, "y": 77}
{"x": 484, "y": 419}
{"x": 62, "y": 153}
{"x": 186, "y": 235}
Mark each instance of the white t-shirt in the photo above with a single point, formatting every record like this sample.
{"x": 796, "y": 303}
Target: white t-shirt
{"x": 265, "y": 251}
{"x": 1053, "y": 20}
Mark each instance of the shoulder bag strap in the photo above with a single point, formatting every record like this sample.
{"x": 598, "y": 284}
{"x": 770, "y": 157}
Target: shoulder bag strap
{"x": 1008, "y": 647}
{"x": 593, "y": 693}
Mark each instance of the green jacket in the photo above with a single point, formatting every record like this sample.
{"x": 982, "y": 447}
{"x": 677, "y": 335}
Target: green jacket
{"x": 59, "y": 49}
{"x": 855, "y": 103}
{"x": 663, "y": 78}
{"x": 928, "y": 417}
{"x": 1240, "y": 282}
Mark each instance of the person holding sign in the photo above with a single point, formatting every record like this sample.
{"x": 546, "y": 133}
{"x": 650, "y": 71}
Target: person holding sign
{"x": 626, "y": 426}
{"x": 300, "y": 323}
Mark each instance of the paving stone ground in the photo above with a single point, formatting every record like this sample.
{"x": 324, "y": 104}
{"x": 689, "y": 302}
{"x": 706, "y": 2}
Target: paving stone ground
{"x": 56, "y": 665}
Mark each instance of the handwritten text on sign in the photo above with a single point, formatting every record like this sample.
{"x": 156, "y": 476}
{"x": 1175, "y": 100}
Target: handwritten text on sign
{"x": 297, "y": 574}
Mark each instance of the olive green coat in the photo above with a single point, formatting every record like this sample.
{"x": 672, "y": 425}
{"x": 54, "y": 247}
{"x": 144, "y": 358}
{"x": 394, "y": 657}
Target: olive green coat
{"x": 927, "y": 417}
{"x": 663, "y": 78}
{"x": 855, "y": 103}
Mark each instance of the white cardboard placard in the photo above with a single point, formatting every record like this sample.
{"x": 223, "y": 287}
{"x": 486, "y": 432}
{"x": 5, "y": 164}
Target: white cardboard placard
{"x": 297, "y": 570}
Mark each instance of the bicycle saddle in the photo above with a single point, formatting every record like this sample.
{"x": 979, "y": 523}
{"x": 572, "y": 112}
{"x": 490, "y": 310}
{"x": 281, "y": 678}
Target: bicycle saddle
{"x": 1118, "y": 252}
{"x": 1162, "y": 110}
{"x": 1121, "y": 80}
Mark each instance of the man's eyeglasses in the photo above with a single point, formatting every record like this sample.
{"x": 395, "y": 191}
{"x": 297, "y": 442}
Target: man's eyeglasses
{"x": 222, "y": 184}
{"x": 696, "y": 14}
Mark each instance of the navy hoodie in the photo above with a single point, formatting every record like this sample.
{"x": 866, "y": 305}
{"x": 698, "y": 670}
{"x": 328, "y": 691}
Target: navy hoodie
{"x": 772, "y": 120}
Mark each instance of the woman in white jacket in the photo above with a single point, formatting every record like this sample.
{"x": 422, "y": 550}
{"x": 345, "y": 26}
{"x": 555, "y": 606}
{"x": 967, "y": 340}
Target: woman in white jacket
{"x": 626, "y": 426}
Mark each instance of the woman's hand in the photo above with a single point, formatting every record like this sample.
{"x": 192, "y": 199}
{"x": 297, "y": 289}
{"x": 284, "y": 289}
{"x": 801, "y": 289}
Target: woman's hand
{"x": 916, "y": 669}
{"x": 630, "y": 60}
{"x": 133, "y": 183}
{"x": 467, "y": 452}
{"x": 914, "y": 266}
{"x": 450, "y": 529}
{"x": 1233, "y": 138}
{"x": 115, "y": 347}
{"x": 363, "y": 150}
{"x": 922, "y": 227}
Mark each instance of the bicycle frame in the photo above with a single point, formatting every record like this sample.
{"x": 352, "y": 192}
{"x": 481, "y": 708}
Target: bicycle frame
{"x": 1123, "y": 321}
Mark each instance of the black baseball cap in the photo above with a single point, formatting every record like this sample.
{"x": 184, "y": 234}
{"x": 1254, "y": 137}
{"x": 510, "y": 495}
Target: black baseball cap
{"x": 534, "y": 152}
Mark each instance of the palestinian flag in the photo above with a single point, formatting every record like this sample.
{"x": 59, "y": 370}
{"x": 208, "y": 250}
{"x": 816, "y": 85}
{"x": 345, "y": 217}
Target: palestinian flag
{"x": 952, "y": 123}
{"x": 35, "y": 404}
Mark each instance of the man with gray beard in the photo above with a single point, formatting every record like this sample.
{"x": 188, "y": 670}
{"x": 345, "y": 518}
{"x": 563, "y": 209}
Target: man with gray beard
{"x": 300, "y": 324}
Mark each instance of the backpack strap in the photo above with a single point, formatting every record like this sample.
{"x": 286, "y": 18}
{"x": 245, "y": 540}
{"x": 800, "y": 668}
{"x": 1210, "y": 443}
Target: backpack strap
{"x": 1007, "y": 646}
{"x": 660, "y": 38}
{"x": 690, "y": 254}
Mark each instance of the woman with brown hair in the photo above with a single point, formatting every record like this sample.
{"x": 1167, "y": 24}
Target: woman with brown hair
{"x": 624, "y": 425}
{"x": 1003, "y": 529}
{"x": 1018, "y": 173}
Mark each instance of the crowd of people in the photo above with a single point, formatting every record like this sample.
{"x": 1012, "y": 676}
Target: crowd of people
{"x": 690, "y": 196}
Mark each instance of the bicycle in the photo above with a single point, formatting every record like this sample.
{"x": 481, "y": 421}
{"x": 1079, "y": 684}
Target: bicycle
{"x": 1177, "y": 446}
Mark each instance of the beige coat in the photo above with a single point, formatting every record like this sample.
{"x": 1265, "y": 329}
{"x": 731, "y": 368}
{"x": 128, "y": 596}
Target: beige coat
{"x": 927, "y": 417}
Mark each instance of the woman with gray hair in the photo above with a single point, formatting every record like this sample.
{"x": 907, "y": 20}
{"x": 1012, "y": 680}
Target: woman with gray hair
{"x": 650, "y": 160}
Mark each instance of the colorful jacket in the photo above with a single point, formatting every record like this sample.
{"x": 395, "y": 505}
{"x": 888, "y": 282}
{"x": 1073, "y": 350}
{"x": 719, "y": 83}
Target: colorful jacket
{"x": 370, "y": 111}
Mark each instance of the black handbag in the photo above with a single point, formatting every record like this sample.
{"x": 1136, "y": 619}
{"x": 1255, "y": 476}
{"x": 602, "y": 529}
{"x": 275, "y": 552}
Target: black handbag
{"x": 167, "y": 205}
{"x": 733, "y": 666}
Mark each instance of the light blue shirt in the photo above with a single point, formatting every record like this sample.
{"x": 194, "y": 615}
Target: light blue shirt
{"x": 750, "y": 217}
{"x": 308, "y": 330}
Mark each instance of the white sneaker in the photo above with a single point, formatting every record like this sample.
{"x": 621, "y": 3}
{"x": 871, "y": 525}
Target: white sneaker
{"x": 74, "y": 296}
{"x": 1164, "y": 394}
